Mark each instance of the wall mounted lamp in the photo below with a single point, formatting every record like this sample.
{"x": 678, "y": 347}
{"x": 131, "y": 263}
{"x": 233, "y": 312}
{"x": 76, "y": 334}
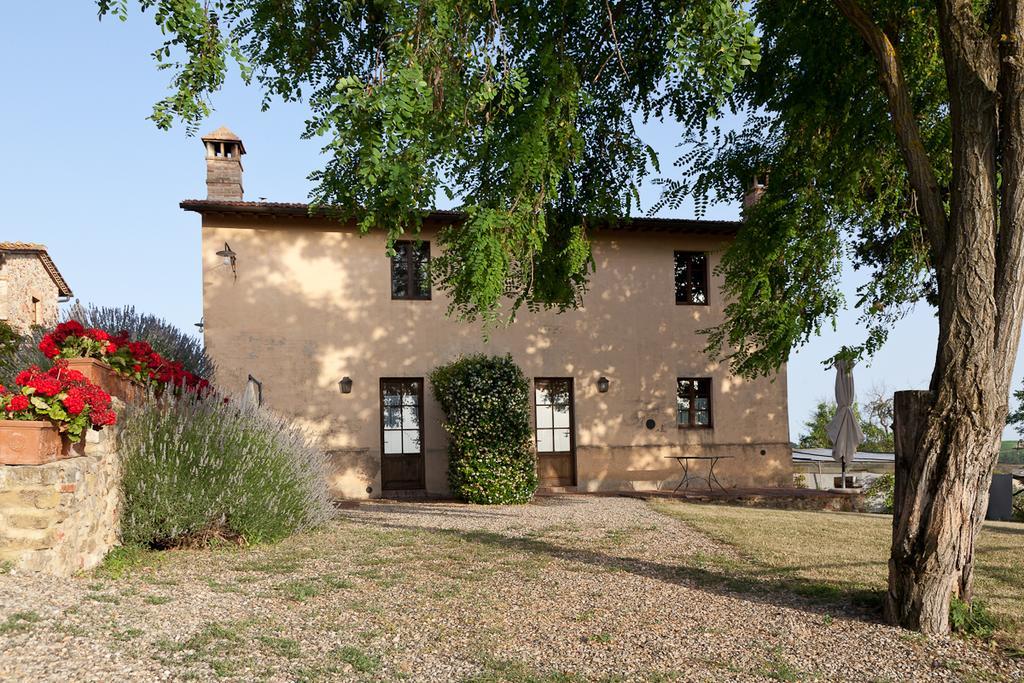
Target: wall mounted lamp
{"x": 345, "y": 385}
{"x": 230, "y": 258}
{"x": 602, "y": 385}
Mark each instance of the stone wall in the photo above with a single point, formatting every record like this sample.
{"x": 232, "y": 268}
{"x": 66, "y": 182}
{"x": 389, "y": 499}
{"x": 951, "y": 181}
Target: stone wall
{"x": 62, "y": 517}
{"x": 23, "y": 278}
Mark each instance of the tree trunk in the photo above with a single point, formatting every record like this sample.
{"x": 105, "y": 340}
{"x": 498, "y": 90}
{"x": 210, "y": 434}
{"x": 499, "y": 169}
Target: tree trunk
{"x": 947, "y": 439}
{"x": 942, "y": 470}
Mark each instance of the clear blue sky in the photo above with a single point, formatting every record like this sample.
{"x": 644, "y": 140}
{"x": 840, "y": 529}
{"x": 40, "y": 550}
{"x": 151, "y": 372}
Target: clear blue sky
{"x": 85, "y": 173}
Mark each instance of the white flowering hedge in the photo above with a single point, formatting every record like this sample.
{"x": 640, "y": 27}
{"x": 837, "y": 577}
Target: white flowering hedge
{"x": 195, "y": 470}
{"x": 490, "y": 456}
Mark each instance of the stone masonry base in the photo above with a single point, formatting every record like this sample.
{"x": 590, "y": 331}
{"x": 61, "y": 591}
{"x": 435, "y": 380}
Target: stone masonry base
{"x": 61, "y": 517}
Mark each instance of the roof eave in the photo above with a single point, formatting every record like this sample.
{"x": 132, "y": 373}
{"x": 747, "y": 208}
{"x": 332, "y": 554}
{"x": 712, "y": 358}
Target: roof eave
{"x": 298, "y": 210}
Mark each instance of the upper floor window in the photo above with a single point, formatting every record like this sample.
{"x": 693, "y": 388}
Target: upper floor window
{"x": 410, "y": 270}
{"x": 693, "y": 401}
{"x": 691, "y": 277}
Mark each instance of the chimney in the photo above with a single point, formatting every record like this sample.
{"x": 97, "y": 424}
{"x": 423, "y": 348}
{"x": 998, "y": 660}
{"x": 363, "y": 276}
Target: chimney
{"x": 224, "y": 152}
{"x": 755, "y": 192}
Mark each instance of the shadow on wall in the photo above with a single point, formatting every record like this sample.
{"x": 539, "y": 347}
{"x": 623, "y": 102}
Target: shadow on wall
{"x": 311, "y": 304}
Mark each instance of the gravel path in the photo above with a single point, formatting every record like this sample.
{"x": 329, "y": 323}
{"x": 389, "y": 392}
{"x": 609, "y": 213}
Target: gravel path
{"x": 572, "y": 588}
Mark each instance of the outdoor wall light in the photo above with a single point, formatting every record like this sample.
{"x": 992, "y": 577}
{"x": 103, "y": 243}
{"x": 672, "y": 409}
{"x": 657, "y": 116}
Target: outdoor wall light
{"x": 346, "y": 385}
{"x": 230, "y": 258}
{"x": 602, "y": 385}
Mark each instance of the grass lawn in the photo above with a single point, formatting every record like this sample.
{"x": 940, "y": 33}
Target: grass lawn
{"x": 835, "y": 555}
{"x": 1009, "y": 454}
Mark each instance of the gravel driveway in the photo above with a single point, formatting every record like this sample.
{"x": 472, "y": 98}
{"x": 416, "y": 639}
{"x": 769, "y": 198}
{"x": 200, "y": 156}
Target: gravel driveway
{"x": 572, "y": 588}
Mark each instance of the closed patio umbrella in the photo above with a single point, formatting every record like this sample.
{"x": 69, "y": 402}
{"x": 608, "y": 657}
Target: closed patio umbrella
{"x": 843, "y": 430}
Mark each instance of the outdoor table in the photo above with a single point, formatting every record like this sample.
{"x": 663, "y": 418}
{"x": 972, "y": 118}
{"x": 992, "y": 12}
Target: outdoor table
{"x": 684, "y": 462}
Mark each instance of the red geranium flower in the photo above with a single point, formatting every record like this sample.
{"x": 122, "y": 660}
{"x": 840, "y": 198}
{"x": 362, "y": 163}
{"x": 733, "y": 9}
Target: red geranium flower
{"x": 49, "y": 347}
{"x": 102, "y": 418}
{"x": 140, "y": 350}
{"x": 73, "y": 376}
{"x": 97, "y": 334}
{"x": 45, "y": 385}
{"x": 24, "y": 376}
{"x": 74, "y": 402}
{"x": 71, "y": 328}
{"x": 19, "y": 402}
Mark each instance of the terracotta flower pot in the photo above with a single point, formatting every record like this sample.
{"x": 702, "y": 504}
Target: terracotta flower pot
{"x": 33, "y": 442}
{"x": 103, "y": 376}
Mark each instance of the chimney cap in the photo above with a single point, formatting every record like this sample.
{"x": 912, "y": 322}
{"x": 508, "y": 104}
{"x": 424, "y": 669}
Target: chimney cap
{"x": 223, "y": 134}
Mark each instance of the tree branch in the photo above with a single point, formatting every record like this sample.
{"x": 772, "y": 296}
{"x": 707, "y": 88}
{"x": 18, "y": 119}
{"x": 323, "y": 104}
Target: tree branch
{"x": 919, "y": 165}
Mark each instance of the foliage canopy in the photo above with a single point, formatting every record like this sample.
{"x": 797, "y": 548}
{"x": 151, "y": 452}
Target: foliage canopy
{"x": 522, "y": 112}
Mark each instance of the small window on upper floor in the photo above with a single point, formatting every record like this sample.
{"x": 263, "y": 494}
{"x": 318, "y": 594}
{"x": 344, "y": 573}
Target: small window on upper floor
{"x": 691, "y": 269}
{"x": 37, "y": 311}
{"x": 410, "y": 270}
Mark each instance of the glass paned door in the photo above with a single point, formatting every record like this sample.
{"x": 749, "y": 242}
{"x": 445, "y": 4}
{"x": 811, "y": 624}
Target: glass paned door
{"x": 401, "y": 433}
{"x": 555, "y": 431}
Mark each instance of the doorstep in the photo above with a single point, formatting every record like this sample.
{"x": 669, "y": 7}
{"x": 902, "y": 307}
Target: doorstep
{"x": 405, "y": 494}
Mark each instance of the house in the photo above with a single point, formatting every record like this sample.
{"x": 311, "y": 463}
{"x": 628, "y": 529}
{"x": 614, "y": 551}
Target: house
{"x": 30, "y": 286}
{"x": 342, "y": 338}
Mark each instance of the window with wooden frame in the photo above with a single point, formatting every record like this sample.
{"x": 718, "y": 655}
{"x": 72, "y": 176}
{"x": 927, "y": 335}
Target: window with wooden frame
{"x": 693, "y": 402}
{"x": 410, "y": 270}
{"x": 691, "y": 270}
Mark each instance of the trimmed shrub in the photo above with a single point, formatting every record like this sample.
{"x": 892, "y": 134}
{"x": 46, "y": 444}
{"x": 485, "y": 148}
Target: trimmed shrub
{"x": 197, "y": 470}
{"x": 166, "y": 339}
{"x": 490, "y": 456}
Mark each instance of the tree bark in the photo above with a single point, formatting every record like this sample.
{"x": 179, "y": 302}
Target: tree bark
{"x": 947, "y": 439}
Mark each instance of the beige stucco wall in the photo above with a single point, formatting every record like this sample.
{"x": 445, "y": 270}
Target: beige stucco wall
{"x": 22, "y": 278}
{"x": 311, "y": 303}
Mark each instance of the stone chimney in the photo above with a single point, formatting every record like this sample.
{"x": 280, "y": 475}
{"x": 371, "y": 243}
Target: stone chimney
{"x": 755, "y": 192}
{"x": 224, "y": 152}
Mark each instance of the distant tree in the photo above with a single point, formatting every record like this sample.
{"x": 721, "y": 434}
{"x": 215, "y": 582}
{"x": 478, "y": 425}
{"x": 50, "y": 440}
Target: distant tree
{"x": 877, "y": 422}
{"x": 1016, "y": 417}
{"x": 879, "y": 409}
{"x": 877, "y": 439}
{"x": 815, "y": 434}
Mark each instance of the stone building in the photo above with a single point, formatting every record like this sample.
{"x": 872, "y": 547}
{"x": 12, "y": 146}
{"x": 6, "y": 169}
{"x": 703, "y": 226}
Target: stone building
{"x": 30, "y": 286}
{"x": 343, "y": 338}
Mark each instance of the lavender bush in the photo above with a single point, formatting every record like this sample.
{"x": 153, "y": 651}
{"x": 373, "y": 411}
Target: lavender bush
{"x": 195, "y": 470}
{"x": 20, "y": 352}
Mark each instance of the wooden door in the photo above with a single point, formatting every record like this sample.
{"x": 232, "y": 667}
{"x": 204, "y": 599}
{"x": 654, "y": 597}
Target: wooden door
{"x": 555, "y": 425}
{"x": 401, "y": 421}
